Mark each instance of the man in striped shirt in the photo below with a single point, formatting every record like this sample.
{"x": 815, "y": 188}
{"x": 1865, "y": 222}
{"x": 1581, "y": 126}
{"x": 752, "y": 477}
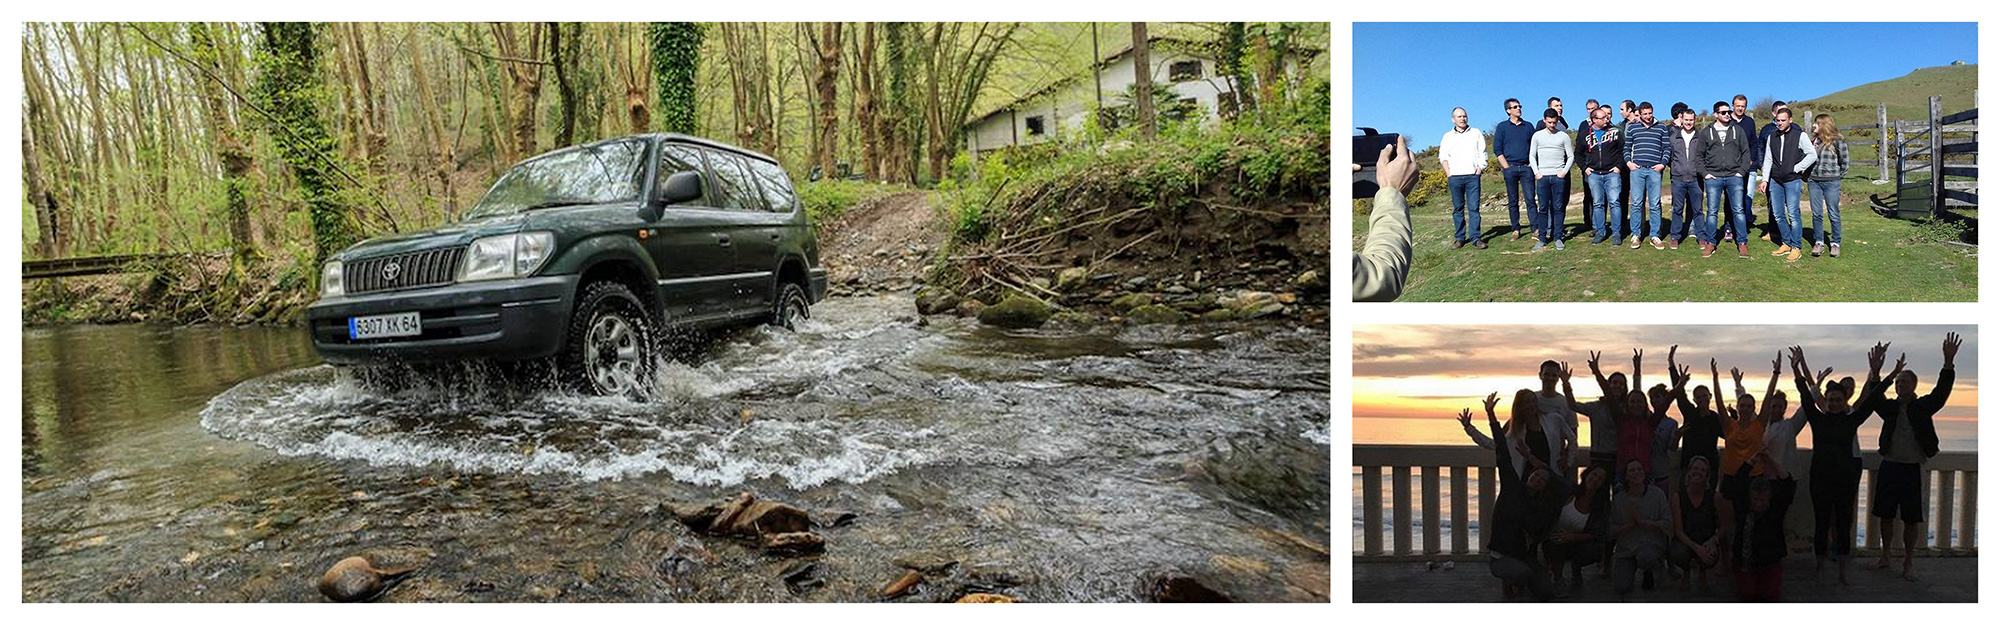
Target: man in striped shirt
{"x": 1647, "y": 148}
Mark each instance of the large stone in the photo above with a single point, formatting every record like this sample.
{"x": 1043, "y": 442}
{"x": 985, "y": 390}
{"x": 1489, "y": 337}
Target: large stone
{"x": 794, "y": 543}
{"x": 1071, "y": 279}
{"x": 356, "y": 578}
{"x": 932, "y": 301}
{"x": 1155, "y": 313}
{"x": 985, "y": 597}
{"x": 902, "y": 586}
{"x": 1310, "y": 281}
{"x": 1015, "y": 312}
{"x": 969, "y": 308}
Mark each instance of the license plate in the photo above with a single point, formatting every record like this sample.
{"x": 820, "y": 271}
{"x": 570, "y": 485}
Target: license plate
{"x": 382, "y": 326}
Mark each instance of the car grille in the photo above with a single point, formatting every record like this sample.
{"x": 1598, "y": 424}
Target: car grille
{"x": 415, "y": 269}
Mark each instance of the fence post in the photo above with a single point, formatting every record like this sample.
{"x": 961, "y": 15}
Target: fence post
{"x": 1882, "y": 155}
{"x": 1937, "y": 157}
{"x": 1899, "y": 163}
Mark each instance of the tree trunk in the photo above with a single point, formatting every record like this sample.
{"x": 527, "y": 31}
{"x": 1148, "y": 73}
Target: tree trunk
{"x": 827, "y": 50}
{"x": 288, "y": 83}
{"x": 1235, "y": 68}
{"x": 566, "y": 134}
{"x": 898, "y": 123}
{"x": 676, "y": 51}
{"x": 865, "y": 116}
{"x": 375, "y": 138}
{"x": 230, "y": 149}
{"x": 524, "y": 80}
{"x": 1142, "y": 79}
{"x": 48, "y": 235}
{"x": 441, "y": 149}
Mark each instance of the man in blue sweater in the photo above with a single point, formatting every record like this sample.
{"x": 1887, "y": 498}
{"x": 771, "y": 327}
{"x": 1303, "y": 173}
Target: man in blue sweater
{"x": 1510, "y": 144}
{"x": 1647, "y": 148}
{"x": 1740, "y": 108}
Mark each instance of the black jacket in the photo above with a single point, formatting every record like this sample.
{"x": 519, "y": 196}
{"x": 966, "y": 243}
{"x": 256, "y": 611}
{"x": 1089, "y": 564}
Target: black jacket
{"x": 1606, "y": 156}
{"x": 1723, "y": 153}
{"x": 1760, "y": 538}
{"x": 1921, "y": 411}
{"x": 1520, "y": 519}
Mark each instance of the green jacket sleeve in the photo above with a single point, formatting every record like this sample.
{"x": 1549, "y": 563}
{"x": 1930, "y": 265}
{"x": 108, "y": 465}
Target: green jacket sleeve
{"x": 1384, "y": 260}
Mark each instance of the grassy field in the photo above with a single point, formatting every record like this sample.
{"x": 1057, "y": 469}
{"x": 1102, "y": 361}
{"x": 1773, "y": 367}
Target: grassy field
{"x": 1881, "y": 260}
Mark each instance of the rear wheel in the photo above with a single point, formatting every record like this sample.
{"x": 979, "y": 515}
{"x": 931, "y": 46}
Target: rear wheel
{"x": 611, "y": 343}
{"x": 791, "y": 306}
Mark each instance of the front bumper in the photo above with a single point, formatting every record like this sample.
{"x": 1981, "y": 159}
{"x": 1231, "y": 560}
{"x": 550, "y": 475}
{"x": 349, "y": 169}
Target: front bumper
{"x": 517, "y": 319}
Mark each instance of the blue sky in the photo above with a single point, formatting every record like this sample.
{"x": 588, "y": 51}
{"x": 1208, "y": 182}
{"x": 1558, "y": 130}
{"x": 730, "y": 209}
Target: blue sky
{"x": 1408, "y": 76}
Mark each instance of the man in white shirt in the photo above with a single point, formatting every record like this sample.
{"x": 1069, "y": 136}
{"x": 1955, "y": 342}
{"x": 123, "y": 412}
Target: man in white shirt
{"x": 1462, "y": 151}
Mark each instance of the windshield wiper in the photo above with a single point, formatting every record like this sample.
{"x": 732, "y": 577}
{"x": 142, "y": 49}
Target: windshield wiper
{"x": 557, "y": 203}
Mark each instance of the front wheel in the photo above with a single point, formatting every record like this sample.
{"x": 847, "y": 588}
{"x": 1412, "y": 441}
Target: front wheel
{"x": 791, "y": 306}
{"x": 610, "y": 348}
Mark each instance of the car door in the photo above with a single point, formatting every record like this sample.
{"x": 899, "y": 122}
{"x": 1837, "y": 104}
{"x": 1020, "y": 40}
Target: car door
{"x": 691, "y": 245}
{"x": 756, "y": 250}
{"x": 776, "y": 226}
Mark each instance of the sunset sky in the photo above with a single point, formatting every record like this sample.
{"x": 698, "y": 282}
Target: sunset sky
{"x": 1410, "y": 381}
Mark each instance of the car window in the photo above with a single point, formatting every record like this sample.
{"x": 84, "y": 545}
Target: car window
{"x": 776, "y": 186}
{"x": 592, "y": 174}
{"x": 739, "y": 191}
{"x": 675, "y": 157}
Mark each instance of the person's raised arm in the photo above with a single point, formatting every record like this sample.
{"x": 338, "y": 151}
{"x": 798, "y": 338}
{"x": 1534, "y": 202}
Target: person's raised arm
{"x": 1772, "y": 390}
{"x": 1569, "y": 394}
{"x": 1638, "y": 355}
{"x": 1478, "y": 438}
{"x": 1935, "y": 400}
{"x": 1808, "y": 390}
{"x": 1603, "y": 383}
{"x": 1715, "y": 383}
{"x": 1383, "y": 264}
{"x": 1501, "y": 454}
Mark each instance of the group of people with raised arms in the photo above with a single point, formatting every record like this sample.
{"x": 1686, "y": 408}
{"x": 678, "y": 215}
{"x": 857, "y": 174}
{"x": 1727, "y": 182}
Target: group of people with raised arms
{"x": 1632, "y": 513}
{"x": 1623, "y": 165}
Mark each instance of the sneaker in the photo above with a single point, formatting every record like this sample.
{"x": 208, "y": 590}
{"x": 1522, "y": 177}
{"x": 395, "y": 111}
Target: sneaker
{"x": 1658, "y": 244}
{"x": 1457, "y": 244}
{"x": 1766, "y": 236}
{"x": 1635, "y": 241}
{"x": 1538, "y": 246}
{"x": 1817, "y": 248}
{"x": 1518, "y": 233}
{"x": 1794, "y": 255}
{"x": 1782, "y": 250}
{"x": 1742, "y": 250}
{"x": 1728, "y": 237}
{"x": 1707, "y": 249}
{"x": 1479, "y": 243}
{"x": 1835, "y": 252}
{"x": 1559, "y": 245}
{"x": 1674, "y": 244}
{"x": 1596, "y": 240}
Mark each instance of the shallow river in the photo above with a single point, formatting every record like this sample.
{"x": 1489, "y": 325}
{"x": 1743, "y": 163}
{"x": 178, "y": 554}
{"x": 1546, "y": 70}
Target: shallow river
{"x": 1078, "y": 464}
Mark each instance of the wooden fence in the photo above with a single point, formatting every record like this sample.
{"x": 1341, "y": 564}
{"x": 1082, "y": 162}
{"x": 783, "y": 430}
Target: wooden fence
{"x": 1941, "y": 146}
{"x": 1445, "y": 474}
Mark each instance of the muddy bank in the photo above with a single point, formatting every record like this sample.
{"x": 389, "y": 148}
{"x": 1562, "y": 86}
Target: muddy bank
{"x": 1084, "y": 464}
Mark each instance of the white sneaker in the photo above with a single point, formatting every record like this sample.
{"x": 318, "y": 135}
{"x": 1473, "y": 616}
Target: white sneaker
{"x": 1559, "y": 245}
{"x": 1635, "y": 241}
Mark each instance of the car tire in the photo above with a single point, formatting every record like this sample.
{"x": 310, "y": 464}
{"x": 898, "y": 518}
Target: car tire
{"x": 790, "y": 307}
{"x": 611, "y": 345}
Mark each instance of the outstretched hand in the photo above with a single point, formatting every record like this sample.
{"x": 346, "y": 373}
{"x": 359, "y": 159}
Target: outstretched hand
{"x": 1637, "y": 356}
{"x": 1876, "y": 355}
{"x": 1776, "y": 362}
{"x": 1492, "y": 399}
{"x": 1465, "y": 417}
{"x": 1565, "y": 371}
{"x": 1951, "y": 343}
{"x": 1396, "y": 168}
{"x": 1594, "y": 357}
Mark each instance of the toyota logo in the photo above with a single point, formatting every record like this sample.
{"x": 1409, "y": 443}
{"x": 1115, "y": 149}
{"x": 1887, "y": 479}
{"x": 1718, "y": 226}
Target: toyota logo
{"x": 390, "y": 270}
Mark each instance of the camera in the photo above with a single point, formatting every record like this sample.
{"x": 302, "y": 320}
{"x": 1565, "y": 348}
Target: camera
{"x": 1367, "y": 148}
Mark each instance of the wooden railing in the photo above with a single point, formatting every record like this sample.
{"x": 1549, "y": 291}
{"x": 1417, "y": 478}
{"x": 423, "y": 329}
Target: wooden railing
{"x": 1453, "y": 468}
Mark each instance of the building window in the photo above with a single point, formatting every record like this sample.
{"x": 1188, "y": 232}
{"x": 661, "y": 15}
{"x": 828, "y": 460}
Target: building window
{"x": 1035, "y": 127}
{"x": 1183, "y": 71}
{"x": 1181, "y": 109}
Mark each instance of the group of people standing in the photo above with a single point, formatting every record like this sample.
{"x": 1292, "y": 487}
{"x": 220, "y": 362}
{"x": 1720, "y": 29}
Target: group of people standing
{"x": 1623, "y": 166}
{"x": 1629, "y": 514}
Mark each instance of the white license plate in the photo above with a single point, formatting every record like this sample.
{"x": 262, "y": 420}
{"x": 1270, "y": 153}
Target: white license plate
{"x": 381, "y": 326}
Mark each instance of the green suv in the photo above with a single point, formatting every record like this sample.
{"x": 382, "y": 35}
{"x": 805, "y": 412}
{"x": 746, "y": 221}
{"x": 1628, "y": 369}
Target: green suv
{"x": 587, "y": 254}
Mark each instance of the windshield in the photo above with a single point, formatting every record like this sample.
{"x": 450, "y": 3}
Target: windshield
{"x": 586, "y": 175}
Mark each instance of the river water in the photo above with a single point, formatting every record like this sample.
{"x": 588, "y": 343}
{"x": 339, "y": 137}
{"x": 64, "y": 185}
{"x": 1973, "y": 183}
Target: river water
{"x": 1064, "y": 464}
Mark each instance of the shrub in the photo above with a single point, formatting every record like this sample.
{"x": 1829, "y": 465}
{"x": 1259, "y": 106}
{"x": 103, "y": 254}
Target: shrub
{"x": 1428, "y": 181}
{"x": 828, "y": 199}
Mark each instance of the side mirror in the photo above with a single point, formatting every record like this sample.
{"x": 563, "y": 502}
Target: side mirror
{"x": 681, "y": 186}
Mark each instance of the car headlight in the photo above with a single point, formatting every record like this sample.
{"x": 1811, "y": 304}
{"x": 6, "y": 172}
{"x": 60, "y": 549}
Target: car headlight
{"x": 330, "y": 284}
{"x": 506, "y": 256}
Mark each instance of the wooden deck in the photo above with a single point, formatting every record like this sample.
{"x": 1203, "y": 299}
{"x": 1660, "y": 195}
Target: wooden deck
{"x": 1939, "y": 580}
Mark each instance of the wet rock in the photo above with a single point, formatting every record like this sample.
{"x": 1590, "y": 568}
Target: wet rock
{"x": 1015, "y": 312}
{"x": 1218, "y": 315}
{"x": 803, "y": 577}
{"x": 932, "y": 301}
{"x": 545, "y": 593}
{"x": 1183, "y": 589}
{"x": 1288, "y": 298}
{"x": 356, "y": 578}
{"x": 927, "y": 563}
{"x": 834, "y": 518}
{"x": 902, "y": 586}
{"x": 969, "y": 308}
{"x": 476, "y": 586}
{"x": 985, "y": 597}
{"x": 1136, "y": 282}
{"x": 1071, "y": 279}
{"x": 1155, "y": 313}
{"x": 1260, "y": 311}
{"x": 794, "y": 543}
{"x": 1125, "y": 303}
{"x": 747, "y": 516}
{"x": 1178, "y": 290}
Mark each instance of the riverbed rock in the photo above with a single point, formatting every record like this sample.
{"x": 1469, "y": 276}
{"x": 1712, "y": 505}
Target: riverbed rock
{"x": 1015, "y": 312}
{"x": 1310, "y": 281}
{"x": 1155, "y": 313}
{"x": 744, "y": 515}
{"x": 969, "y": 308}
{"x": 1125, "y": 303}
{"x": 985, "y": 597}
{"x": 794, "y": 543}
{"x": 804, "y": 576}
{"x": 927, "y": 563}
{"x": 932, "y": 301}
{"x": 1071, "y": 279}
{"x": 356, "y": 578}
{"x": 834, "y": 518}
{"x": 1183, "y": 589}
{"x": 902, "y": 586}
{"x": 1218, "y": 315}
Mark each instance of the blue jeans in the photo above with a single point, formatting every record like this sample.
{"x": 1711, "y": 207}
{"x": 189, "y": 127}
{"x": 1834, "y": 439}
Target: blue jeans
{"x": 1825, "y": 195}
{"x": 1785, "y": 210}
{"x": 1548, "y": 221}
{"x": 1645, "y": 193}
{"x": 1687, "y": 207}
{"x": 1520, "y": 184}
{"x": 1604, "y": 189}
{"x": 1727, "y": 190}
{"x": 1464, "y": 192}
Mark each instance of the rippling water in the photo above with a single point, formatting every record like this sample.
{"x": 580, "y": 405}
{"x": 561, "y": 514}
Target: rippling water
{"x": 1062, "y": 464}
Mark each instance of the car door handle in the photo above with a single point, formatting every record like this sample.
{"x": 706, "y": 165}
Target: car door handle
{"x": 723, "y": 241}
{"x": 775, "y": 236}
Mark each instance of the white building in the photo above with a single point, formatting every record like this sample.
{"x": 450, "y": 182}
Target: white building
{"x": 1065, "y": 104}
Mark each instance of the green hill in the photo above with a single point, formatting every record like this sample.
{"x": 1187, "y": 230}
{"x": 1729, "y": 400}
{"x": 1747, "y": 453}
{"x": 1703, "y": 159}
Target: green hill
{"x": 1908, "y": 96}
